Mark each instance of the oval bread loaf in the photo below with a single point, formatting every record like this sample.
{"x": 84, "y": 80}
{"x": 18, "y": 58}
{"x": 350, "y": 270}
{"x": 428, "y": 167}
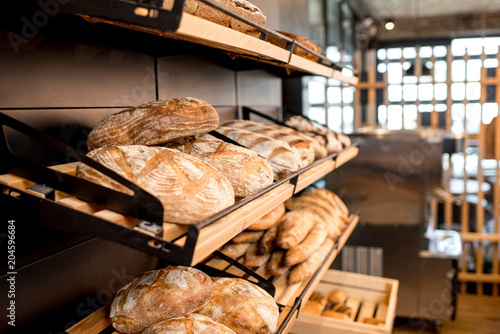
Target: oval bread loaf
{"x": 190, "y": 324}
{"x": 309, "y": 245}
{"x": 159, "y": 295}
{"x": 294, "y": 227}
{"x": 306, "y": 269}
{"x": 269, "y": 219}
{"x": 189, "y": 189}
{"x": 154, "y": 123}
{"x": 242, "y": 306}
{"x": 283, "y": 158}
{"x": 246, "y": 170}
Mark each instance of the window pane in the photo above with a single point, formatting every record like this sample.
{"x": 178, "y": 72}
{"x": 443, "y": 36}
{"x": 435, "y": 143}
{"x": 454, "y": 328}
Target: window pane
{"x": 458, "y": 47}
{"x": 473, "y": 91}
{"x": 457, "y": 117}
{"x": 395, "y": 118}
{"x": 440, "y": 71}
{"x": 394, "y": 53}
{"x": 381, "y": 68}
{"x": 333, "y": 53}
{"x": 381, "y": 54}
{"x": 440, "y": 91}
{"x": 317, "y": 114}
{"x": 395, "y": 73}
{"x": 425, "y": 92}
{"x": 491, "y": 63}
{"x": 409, "y": 53}
{"x": 348, "y": 95}
{"x": 474, "y": 70}
{"x": 335, "y": 119}
{"x": 440, "y": 107}
{"x": 458, "y": 91}
{"x": 440, "y": 51}
{"x": 348, "y": 119}
{"x": 425, "y": 108}
{"x": 458, "y": 70}
{"x": 425, "y": 52}
{"x": 473, "y": 117}
{"x": 410, "y": 80}
{"x": 490, "y": 110}
{"x": 410, "y": 92}
{"x": 394, "y": 93}
{"x": 382, "y": 115}
{"x": 410, "y": 116}
{"x": 334, "y": 96}
{"x": 316, "y": 92}
{"x": 474, "y": 46}
{"x": 491, "y": 45}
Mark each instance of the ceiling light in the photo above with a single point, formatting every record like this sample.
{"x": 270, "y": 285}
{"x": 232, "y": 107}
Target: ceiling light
{"x": 389, "y": 24}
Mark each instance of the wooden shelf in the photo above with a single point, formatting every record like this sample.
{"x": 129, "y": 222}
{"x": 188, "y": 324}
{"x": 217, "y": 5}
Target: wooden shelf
{"x": 200, "y": 31}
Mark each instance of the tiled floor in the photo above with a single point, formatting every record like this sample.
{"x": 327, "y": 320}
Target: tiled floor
{"x": 474, "y": 315}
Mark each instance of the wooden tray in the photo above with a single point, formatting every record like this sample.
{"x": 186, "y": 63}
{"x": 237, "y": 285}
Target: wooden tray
{"x": 369, "y": 296}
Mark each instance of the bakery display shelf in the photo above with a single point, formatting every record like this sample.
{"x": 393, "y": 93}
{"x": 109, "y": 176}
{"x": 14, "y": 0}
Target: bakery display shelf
{"x": 61, "y": 201}
{"x": 155, "y": 17}
{"x": 373, "y": 300}
{"x": 288, "y": 297}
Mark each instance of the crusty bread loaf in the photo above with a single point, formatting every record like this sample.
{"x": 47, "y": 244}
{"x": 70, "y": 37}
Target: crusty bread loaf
{"x": 190, "y": 324}
{"x": 315, "y": 304}
{"x": 309, "y": 245}
{"x": 331, "y": 198}
{"x": 246, "y": 170}
{"x": 294, "y": 227}
{"x": 235, "y": 251}
{"x": 159, "y": 295}
{"x": 269, "y": 219}
{"x": 253, "y": 258}
{"x": 242, "y": 306}
{"x": 247, "y": 237}
{"x": 297, "y": 50}
{"x": 268, "y": 241}
{"x": 154, "y": 123}
{"x": 306, "y": 269}
{"x": 189, "y": 189}
{"x": 334, "y": 224}
{"x": 337, "y": 297}
{"x": 283, "y": 158}
{"x": 241, "y": 7}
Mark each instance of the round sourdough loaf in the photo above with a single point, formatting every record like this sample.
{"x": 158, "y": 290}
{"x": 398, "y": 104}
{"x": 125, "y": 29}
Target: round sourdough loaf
{"x": 159, "y": 295}
{"x": 154, "y": 123}
{"x": 190, "y": 324}
{"x": 242, "y": 306}
{"x": 246, "y": 170}
{"x": 189, "y": 189}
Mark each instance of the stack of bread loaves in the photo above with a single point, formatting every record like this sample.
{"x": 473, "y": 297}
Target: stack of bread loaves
{"x": 185, "y": 300}
{"x": 333, "y": 141}
{"x": 152, "y": 146}
{"x": 293, "y": 242}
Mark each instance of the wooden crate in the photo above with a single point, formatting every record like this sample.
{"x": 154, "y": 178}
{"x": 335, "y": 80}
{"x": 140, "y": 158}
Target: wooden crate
{"x": 370, "y": 296}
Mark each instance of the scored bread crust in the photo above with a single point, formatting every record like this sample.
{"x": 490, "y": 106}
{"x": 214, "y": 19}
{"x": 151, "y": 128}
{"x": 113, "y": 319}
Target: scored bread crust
{"x": 158, "y": 295}
{"x": 189, "y": 189}
{"x": 190, "y": 324}
{"x": 246, "y": 170}
{"x": 242, "y": 306}
{"x": 154, "y": 123}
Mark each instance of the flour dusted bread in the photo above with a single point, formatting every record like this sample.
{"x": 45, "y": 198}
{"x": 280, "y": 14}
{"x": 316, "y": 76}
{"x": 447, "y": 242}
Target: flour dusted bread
{"x": 283, "y": 158}
{"x": 154, "y": 123}
{"x": 189, "y": 189}
{"x": 159, "y": 295}
{"x": 242, "y": 306}
{"x": 246, "y": 170}
{"x": 190, "y": 324}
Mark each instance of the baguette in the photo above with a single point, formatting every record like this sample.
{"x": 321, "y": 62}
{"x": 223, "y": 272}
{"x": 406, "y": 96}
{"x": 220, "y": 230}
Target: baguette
{"x": 268, "y": 241}
{"x": 247, "y": 237}
{"x": 269, "y": 219}
{"x": 331, "y": 197}
{"x": 189, "y": 189}
{"x": 308, "y": 246}
{"x": 283, "y": 158}
{"x": 315, "y": 304}
{"x": 333, "y": 225}
{"x": 154, "y": 123}
{"x": 235, "y": 251}
{"x": 252, "y": 259}
{"x": 275, "y": 266}
{"x": 294, "y": 227}
{"x": 306, "y": 269}
{"x": 246, "y": 171}
{"x": 159, "y": 295}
